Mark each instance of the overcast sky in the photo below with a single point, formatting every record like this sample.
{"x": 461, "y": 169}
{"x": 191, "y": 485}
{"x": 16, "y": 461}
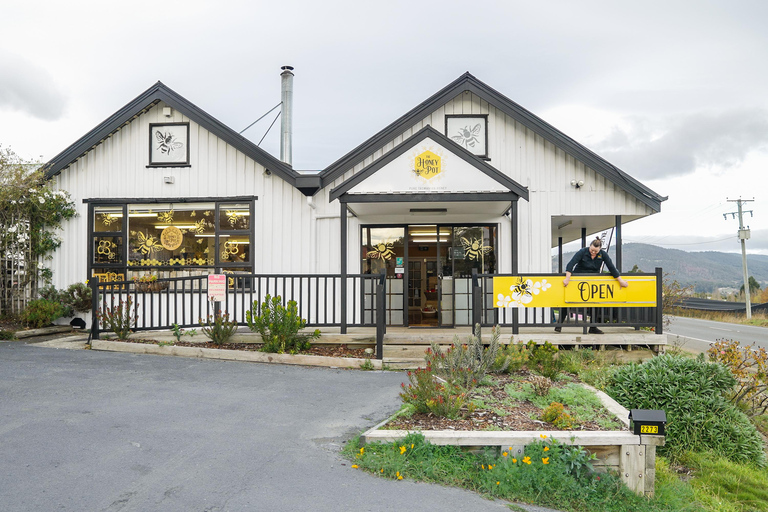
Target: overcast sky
{"x": 672, "y": 92}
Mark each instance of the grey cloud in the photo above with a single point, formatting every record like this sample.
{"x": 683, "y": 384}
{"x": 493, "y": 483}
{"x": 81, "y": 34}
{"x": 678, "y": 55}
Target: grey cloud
{"x": 678, "y": 146}
{"x": 29, "y": 88}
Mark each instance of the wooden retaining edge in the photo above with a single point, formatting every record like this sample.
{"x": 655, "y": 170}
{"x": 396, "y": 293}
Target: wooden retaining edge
{"x": 632, "y": 457}
{"x": 29, "y": 333}
{"x": 232, "y": 355}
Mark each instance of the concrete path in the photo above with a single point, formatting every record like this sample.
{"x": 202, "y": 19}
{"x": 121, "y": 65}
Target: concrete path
{"x": 99, "y": 431}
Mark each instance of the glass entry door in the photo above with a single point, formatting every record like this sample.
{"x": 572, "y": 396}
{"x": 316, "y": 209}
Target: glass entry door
{"x": 430, "y": 296}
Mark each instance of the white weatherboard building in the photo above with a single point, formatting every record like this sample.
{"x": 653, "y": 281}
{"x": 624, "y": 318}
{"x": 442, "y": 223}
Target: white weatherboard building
{"x": 468, "y": 180}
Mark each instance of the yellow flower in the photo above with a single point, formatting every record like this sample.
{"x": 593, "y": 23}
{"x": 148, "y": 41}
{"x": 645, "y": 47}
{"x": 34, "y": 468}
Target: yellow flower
{"x": 545, "y": 460}
{"x": 354, "y": 466}
{"x": 527, "y": 460}
{"x": 546, "y": 448}
{"x": 402, "y": 450}
{"x": 514, "y": 461}
{"x": 411, "y": 446}
{"x": 504, "y": 454}
{"x": 382, "y": 470}
{"x": 497, "y": 483}
{"x": 543, "y": 436}
{"x": 482, "y": 466}
{"x": 362, "y": 450}
{"x": 399, "y": 476}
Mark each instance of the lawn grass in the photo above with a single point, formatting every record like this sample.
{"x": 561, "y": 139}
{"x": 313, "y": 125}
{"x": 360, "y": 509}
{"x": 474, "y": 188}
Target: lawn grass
{"x": 723, "y": 485}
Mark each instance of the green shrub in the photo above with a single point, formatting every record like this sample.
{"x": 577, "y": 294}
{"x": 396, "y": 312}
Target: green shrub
{"x": 556, "y": 415}
{"x": 77, "y": 296}
{"x": 514, "y": 356}
{"x": 279, "y": 326}
{"x": 464, "y": 365}
{"x": 119, "y": 318}
{"x": 178, "y": 332}
{"x": 41, "y": 313}
{"x": 544, "y": 360}
{"x": 693, "y": 393}
{"x": 6, "y": 335}
{"x": 218, "y": 328}
{"x": 428, "y": 393}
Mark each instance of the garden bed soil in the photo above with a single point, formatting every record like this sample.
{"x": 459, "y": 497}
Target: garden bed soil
{"x": 315, "y": 350}
{"x": 503, "y": 414}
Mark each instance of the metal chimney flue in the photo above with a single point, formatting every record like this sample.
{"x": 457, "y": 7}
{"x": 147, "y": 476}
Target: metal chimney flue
{"x": 286, "y": 118}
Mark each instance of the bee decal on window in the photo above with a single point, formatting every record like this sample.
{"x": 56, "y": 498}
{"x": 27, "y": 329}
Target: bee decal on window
{"x": 147, "y": 243}
{"x": 165, "y": 216}
{"x": 474, "y": 249}
{"x": 167, "y": 143}
{"x": 467, "y": 136}
{"x": 107, "y": 218}
{"x": 200, "y": 226}
{"x": 384, "y": 250}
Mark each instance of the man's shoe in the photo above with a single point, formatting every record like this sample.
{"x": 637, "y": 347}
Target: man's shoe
{"x": 595, "y": 330}
{"x": 558, "y": 329}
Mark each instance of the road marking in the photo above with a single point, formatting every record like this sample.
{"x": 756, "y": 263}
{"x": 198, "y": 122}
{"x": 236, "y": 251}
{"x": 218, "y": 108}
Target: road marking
{"x": 721, "y": 329}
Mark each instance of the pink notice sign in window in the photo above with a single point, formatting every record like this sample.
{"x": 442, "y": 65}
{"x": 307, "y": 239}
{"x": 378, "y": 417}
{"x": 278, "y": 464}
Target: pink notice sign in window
{"x": 217, "y": 287}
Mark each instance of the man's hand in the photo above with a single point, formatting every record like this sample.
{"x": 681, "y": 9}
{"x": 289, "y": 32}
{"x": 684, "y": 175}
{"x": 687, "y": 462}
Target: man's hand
{"x": 567, "y": 279}
{"x": 622, "y": 282}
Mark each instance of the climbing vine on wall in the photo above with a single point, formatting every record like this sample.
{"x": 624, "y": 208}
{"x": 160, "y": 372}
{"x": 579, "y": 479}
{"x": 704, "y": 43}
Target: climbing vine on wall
{"x": 31, "y": 213}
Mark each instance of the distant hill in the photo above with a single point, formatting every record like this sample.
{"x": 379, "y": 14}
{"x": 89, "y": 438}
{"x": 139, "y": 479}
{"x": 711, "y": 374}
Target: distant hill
{"x": 705, "y": 271}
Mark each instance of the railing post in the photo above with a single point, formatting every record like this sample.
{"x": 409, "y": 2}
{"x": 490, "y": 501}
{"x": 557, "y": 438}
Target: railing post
{"x": 477, "y": 304}
{"x": 659, "y": 301}
{"x": 94, "y": 284}
{"x": 381, "y": 315}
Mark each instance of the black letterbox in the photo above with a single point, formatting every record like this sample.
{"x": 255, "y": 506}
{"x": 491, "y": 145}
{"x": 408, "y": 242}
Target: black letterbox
{"x": 648, "y": 421}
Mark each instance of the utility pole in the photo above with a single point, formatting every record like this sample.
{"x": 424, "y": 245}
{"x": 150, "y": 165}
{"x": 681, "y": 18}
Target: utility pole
{"x": 743, "y": 236}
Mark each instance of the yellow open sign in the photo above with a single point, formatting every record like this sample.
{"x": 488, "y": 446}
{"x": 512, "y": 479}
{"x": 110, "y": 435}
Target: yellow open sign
{"x": 548, "y": 291}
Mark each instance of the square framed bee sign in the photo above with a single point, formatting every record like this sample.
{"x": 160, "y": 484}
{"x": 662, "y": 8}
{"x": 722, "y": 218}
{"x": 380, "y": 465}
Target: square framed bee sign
{"x": 469, "y": 131}
{"x": 169, "y": 145}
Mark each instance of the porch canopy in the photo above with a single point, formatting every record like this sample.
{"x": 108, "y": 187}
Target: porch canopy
{"x": 427, "y": 174}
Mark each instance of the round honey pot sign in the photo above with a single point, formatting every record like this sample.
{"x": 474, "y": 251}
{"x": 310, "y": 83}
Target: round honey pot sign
{"x": 171, "y": 238}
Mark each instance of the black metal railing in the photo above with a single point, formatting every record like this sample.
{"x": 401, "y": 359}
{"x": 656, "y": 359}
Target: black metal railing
{"x": 485, "y": 312}
{"x": 183, "y": 301}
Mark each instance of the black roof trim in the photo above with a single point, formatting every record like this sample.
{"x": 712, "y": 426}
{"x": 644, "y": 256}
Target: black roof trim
{"x": 146, "y": 100}
{"x": 448, "y": 144}
{"x": 467, "y": 82}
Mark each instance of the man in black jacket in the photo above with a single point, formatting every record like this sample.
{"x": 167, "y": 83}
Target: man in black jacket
{"x": 589, "y": 260}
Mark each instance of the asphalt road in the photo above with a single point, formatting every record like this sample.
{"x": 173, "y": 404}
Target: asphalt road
{"x": 697, "y": 335}
{"x": 97, "y": 431}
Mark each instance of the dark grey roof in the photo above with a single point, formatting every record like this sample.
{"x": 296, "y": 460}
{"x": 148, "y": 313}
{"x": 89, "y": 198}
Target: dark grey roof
{"x": 149, "y": 98}
{"x": 467, "y": 82}
{"x": 448, "y": 144}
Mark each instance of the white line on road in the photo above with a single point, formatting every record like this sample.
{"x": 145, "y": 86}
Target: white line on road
{"x": 721, "y": 329}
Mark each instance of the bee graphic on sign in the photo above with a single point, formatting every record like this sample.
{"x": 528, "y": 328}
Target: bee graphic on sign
{"x": 467, "y": 136}
{"x": 523, "y": 288}
{"x": 384, "y": 250}
{"x": 474, "y": 249}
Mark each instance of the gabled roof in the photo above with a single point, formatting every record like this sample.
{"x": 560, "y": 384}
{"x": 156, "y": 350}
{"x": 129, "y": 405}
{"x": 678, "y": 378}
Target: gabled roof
{"x": 467, "y": 82}
{"x": 145, "y": 101}
{"x": 416, "y": 138}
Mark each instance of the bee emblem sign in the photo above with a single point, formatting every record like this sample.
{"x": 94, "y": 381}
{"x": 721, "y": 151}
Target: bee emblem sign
{"x": 427, "y": 165}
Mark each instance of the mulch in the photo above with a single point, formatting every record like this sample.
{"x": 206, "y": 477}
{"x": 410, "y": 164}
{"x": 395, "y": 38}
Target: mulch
{"x": 341, "y": 350}
{"x": 504, "y": 415}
